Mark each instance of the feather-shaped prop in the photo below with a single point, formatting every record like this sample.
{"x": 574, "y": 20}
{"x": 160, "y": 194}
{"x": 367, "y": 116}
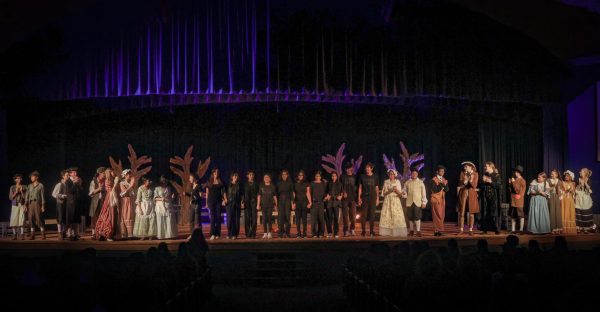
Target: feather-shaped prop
{"x": 356, "y": 164}
{"x": 334, "y": 163}
{"x": 389, "y": 164}
{"x": 409, "y": 161}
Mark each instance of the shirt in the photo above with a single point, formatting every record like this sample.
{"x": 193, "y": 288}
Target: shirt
{"x": 300, "y": 189}
{"x": 20, "y": 196}
{"x": 250, "y": 192}
{"x": 369, "y": 184}
{"x": 285, "y": 188}
{"x": 267, "y": 192}
{"x": 318, "y": 191}
{"x": 59, "y": 192}
{"x": 349, "y": 186}
{"x": 35, "y": 193}
{"x": 215, "y": 193}
{"x": 415, "y": 192}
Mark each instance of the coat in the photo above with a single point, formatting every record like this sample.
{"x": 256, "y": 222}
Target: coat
{"x": 517, "y": 193}
{"x": 467, "y": 194}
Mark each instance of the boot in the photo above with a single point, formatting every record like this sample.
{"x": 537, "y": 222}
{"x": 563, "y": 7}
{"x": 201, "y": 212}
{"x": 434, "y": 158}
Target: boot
{"x": 43, "y": 235}
{"x": 32, "y": 235}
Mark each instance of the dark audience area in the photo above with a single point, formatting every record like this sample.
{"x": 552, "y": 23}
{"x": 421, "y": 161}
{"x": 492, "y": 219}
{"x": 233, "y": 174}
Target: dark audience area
{"x": 85, "y": 281}
{"x": 412, "y": 276}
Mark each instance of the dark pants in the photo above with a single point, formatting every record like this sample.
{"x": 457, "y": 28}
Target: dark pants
{"x": 34, "y": 215}
{"x": 61, "y": 213}
{"x": 333, "y": 218}
{"x": 348, "y": 214}
{"x": 233, "y": 218}
{"x": 194, "y": 218}
{"x": 368, "y": 213}
{"x": 267, "y": 213}
{"x": 301, "y": 217}
{"x": 215, "y": 218}
{"x": 250, "y": 218}
{"x": 283, "y": 215}
{"x": 317, "y": 216}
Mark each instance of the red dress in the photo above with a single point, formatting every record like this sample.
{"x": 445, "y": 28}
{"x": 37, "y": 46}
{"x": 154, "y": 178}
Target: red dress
{"x": 105, "y": 226}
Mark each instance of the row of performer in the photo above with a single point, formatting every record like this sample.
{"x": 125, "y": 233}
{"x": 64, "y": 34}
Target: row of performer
{"x": 120, "y": 209}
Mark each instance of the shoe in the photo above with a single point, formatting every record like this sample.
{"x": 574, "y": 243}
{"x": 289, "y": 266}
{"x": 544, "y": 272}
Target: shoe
{"x": 217, "y": 237}
{"x": 269, "y": 236}
{"x": 353, "y": 233}
{"x": 419, "y": 234}
{"x": 363, "y": 233}
{"x": 212, "y": 237}
{"x": 461, "y": 233}
{"x": 345, "y": 234}
{"x": 411, "y": 233}
{"x": 470, "y": 232}
{"x": 512, "y": 233}
{"x": 264, "y": 235}
{"x": 109, "y": 240}
{"x": 328, "y": 235}
{"x": 372, "y": 235}
{"x": 14, "y": 237}
{"x": 337, "y": 236}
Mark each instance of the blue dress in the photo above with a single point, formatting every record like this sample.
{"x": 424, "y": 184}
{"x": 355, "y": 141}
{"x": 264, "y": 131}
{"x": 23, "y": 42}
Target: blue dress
{"x": 539, "y": 214}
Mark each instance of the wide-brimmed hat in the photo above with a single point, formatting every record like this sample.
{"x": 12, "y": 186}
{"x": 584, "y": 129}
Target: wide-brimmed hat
{"x": 518, "y": 169}
{"x": 100, "y": 170}
{"x": 125, "y": 172}
{"x": 34, "y": 173}
{"x": 469, "y": 163}
{"x": 570, "y": 173}
{"x": 72, "y": 169}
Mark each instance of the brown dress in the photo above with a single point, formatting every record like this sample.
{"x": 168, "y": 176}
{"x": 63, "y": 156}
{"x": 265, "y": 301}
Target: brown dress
{"x": 127, "y": 211}
{"x": 568, "y": 208}
{"x": 554, "y": 206}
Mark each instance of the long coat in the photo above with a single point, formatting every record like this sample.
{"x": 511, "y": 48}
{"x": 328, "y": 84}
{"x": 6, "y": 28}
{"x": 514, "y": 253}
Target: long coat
{"x": 490, "y": 196}
{"x": 467, "y": 194}
{"x": 73, "y": 201}
{"x": 517, "y": 193}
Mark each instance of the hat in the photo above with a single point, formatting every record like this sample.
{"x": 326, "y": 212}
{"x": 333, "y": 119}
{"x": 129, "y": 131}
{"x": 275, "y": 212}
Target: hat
{"x": 34, "y": 173}
{"x": 441, "y": 167}
{"x": 125, "y": 172}
{"x": 100, "y": 170}
{"x": 72, "y": 169}
{"x": 519, "y": 169}
{"x": 470, "y": 163}
{"x": 392, "y": 170}
{"x": 570, "y": 173}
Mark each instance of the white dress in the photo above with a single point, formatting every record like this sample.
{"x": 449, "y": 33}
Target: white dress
{"x": 166, "y": 215}
{"x": 145, "y": 217}
{"x": 392, "y": 221}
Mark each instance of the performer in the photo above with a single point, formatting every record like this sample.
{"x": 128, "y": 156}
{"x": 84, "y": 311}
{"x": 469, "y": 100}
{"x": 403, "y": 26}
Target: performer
{"x": 145, "y": 217}
{"x": 35, "y": 204}
{"x": 583, "y": 202}
{"x": 490, "y": 199}
{"x": 568, "y": 203}
{"x": 195, "y": 195}
{"x": 316, "y": 204}
{"x": 301, "y": 189}
{"x": 539, "y": 218}
{"x": 127, "y": 196}
{"x": 416, "y": 201}
{"x": 16, "y": 195}
{"x": 233, "y": 200}
{"x": 438, "y": 189}
{"x": 467, "y": 196}
{"x": 349, "y": 200}
{"x": 266, "y": 202}
{"x": 517, "y": 187}
{"x": 107, "y": 220}
{"x": 60, "y": 195}
{"x": 334, "y": 202}
{"x": 215, "y": 196}
{"x": 368, "y": 198}
{"x": 74, "y": 211}
{"x": 392, "y": 221}
{"x": 249, "y": 204}
{"x": 554, "y": 206}
{"x": 285, "y": 188}
{"x": 166, "y": 214}
{"x": 97, "y": 194}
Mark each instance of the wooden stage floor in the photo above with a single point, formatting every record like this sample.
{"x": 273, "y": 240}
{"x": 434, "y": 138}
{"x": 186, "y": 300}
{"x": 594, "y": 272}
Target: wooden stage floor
{"x": 53, "y": 246}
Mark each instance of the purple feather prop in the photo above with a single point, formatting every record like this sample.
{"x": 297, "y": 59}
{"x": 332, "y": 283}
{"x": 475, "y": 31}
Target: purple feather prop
{"x": 356, "y": 164}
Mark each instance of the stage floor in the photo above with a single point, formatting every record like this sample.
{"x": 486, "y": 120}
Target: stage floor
{"x": 53, "y": 246}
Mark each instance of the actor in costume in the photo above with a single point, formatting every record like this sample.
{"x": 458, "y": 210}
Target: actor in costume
{"x": 567, "y": 203}
{"x": 349, "y": 200}
{"x": 215, "y": 197}
{"x": 583, "y": 202}
{"x": 490, "y": 199}
{"x": 127, "y": 196}
{"x": 35, "y": 205}
{"x": 368, "y": 198}
{"x": 195, "y": 195}
{"x": 74, "y": 210}
{"x": 145, "y": 218}
{"x": 107, "y": 220}
{"x": 438, "y": 189}
{"x": 467, "y": 196}
{"x": 392, "y": 221}
{"x": 334, "y": 202}
{"x": 539, "y": 218}
{"x": 249, "y": 203}
{"x": 416, "y": 201}
{"x": 59, "y": 193}
{"x": 316, "y": 204}
{"x": 16, "y": 194}
{"x": 266, "y": 202}
{"x": 554, "y": 184}
{"x": 166, "y": 214}
{"x": 97, "y": 194}
{"x": 285, "y": 188}
{"x": 233, "y": 201}
{"x": 517, "y": 187}
{"x": 301, "y": 189}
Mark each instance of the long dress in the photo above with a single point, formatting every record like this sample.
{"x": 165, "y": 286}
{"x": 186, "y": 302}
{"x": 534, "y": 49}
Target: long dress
{"x": 166, "y": 215}
{"x": 554, "y": 205}
{"x": 568, "y": 208}
{"x": 107, "y": 221}
{"x": 539, "y": 217}
{"x": 145, "y": 217}
{"x": 392, "y": 221}
{"x": 17, "y": 212}
{"x": 490, "y": 203}
{"x": 583, "y": 207}
{"x": 127, "y": 212}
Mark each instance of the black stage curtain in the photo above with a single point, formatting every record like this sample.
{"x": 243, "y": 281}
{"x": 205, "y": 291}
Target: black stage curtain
{"x": 269, "y": 137}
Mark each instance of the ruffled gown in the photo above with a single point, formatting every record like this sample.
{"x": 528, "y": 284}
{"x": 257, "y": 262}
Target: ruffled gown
{"x": 392, "y": 222}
